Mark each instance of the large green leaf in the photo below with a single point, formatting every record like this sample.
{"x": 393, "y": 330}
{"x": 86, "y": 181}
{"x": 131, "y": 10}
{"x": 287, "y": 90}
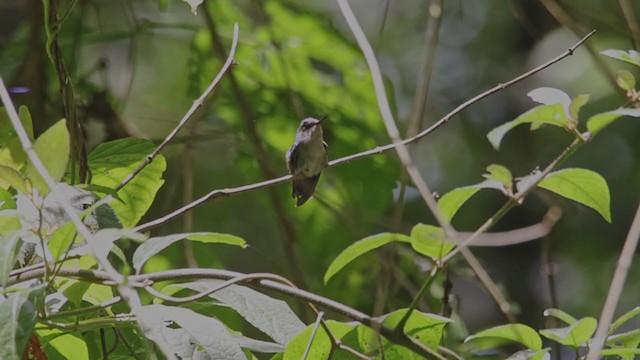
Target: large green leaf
{"x": 181, "y": 328}
{"x": 574, "y": 335}
{"x": 360, "y": 247}
{"x": 625, "y": 317}
{"x": 554, "y": 111}
{"x": 18, "y": 317}
{"x": 154, "y": 245}
{"x": 423, "y": 327}
{"x": 13, "y": 178}
{"x": 9, "y": 246}
{"x": 320, "y": 345}
{"x": 64, "y": 345}
{"x": 581, "y": 185}
{"x": 52, "y": 148}
{"x": 519, "y": 333}
{"x": 111, "y": 162}
{"x": 430, "y": 241}
{"x": 272, "y": 316}
{"x": 597, "y": 122}
{"x": 631, "y": 56}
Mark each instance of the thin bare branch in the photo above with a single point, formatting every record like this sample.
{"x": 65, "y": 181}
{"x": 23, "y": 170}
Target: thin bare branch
{"x": 189, "y": 114}
{"x": 617, "y": 285}
{"x": 265, "y": 284}
{"x": 220, "y": 193}
{"x": 316, "y": 325}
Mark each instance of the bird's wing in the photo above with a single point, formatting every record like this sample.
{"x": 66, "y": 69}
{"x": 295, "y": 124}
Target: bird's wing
{"x": 292, "y": 158}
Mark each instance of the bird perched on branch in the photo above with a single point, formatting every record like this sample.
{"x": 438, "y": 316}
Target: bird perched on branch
{"x": 306, "y": 158}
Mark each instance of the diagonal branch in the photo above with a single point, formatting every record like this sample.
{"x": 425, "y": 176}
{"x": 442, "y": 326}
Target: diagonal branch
{"x": 198, "y": 103}
{"x": 220, "y": 193}
{"x": 615, "y": 290}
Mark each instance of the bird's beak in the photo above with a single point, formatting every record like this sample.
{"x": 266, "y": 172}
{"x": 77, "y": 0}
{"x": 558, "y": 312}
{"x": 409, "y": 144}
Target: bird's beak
{"x": 321, "y": 120}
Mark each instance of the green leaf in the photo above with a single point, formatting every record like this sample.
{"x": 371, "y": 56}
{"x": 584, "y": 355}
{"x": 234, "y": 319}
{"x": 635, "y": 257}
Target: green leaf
{"x": 573, "y": 335}
{"x": 554, "y": 111}
{"x": 529, "y": 354}
{"x": 631, "y": 57}
{"x": 581, "y": 185}
{"x": 7, "y": 132}
{"x": 500, "y": 174}
{"x": 629, "y": 339}
{"x": 625, "y": 317}
{"x": 10, "y": 245}
{"x": 18, "y": 317}
{"x": 576, "y": 104}
{"x": 430, "y": 241}
{"x": 9, "y": 224}
{"x": 182, "y": 327}
{"x": 52, "y": 148}
{"x": 14, "y": 179}
{"x": 452, "y": 201}
{"x": 560, "y": 315}
{"x": 360, "y": 247}
{"x": 25, "y": 119}
{"x": 426, "y": 328}
{"x": 111, "y": 162}
{"x": 321, "y": 344}
{"x": 622, "y": 352}
{"x": 65, "y": 345}
{"x": 625, "y": 80}
{"x": 597, "y": 122}
{"x": 154, "y": 245}
{"x": 272, "y": 316}
{"x": 519, "y": 333}
{"x": 61, "y": 240}
{"x": 6, "y": 201}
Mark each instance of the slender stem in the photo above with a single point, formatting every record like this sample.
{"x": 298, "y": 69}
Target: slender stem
{"x": 198, "y": 103}
{"x": 616, "y": 287}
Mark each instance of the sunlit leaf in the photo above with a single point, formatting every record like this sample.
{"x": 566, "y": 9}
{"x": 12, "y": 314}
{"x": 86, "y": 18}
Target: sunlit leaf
{"x": 272, "y": 316}
{"x": 539, "y": 115}
{"x": 560, "y": 315}
{"x": 625, "y": 317}
{"x": 111, "y": 162}
{"x": 360, "y": 247}
{"x": 452, "y": 201}
{"x": 529, "y": 354}
{"x": 14, "y": 179}
{"x": 191, "y": 335}
{"x": 18, "y": 317}
{"x": 52, "y": 148}
{"x": 584, "y": 186}
{"x": 430, "y": 241}
{"x": 9, "y": 246}
{"x": 631, "y": 56}
{"x": 574, "y": 335}
{"x": 154, "y": 245}
{"x": 321, "y": 346}
{"x": 597, "y": 122}
{"x": 576, "y": 104}
{"x": 625, "y": 80}
{"x": 500, "y": 174}
{"x": 519, "y": 333}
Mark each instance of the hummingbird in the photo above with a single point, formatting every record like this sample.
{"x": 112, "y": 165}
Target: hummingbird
{"x": 306, "y": 158}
